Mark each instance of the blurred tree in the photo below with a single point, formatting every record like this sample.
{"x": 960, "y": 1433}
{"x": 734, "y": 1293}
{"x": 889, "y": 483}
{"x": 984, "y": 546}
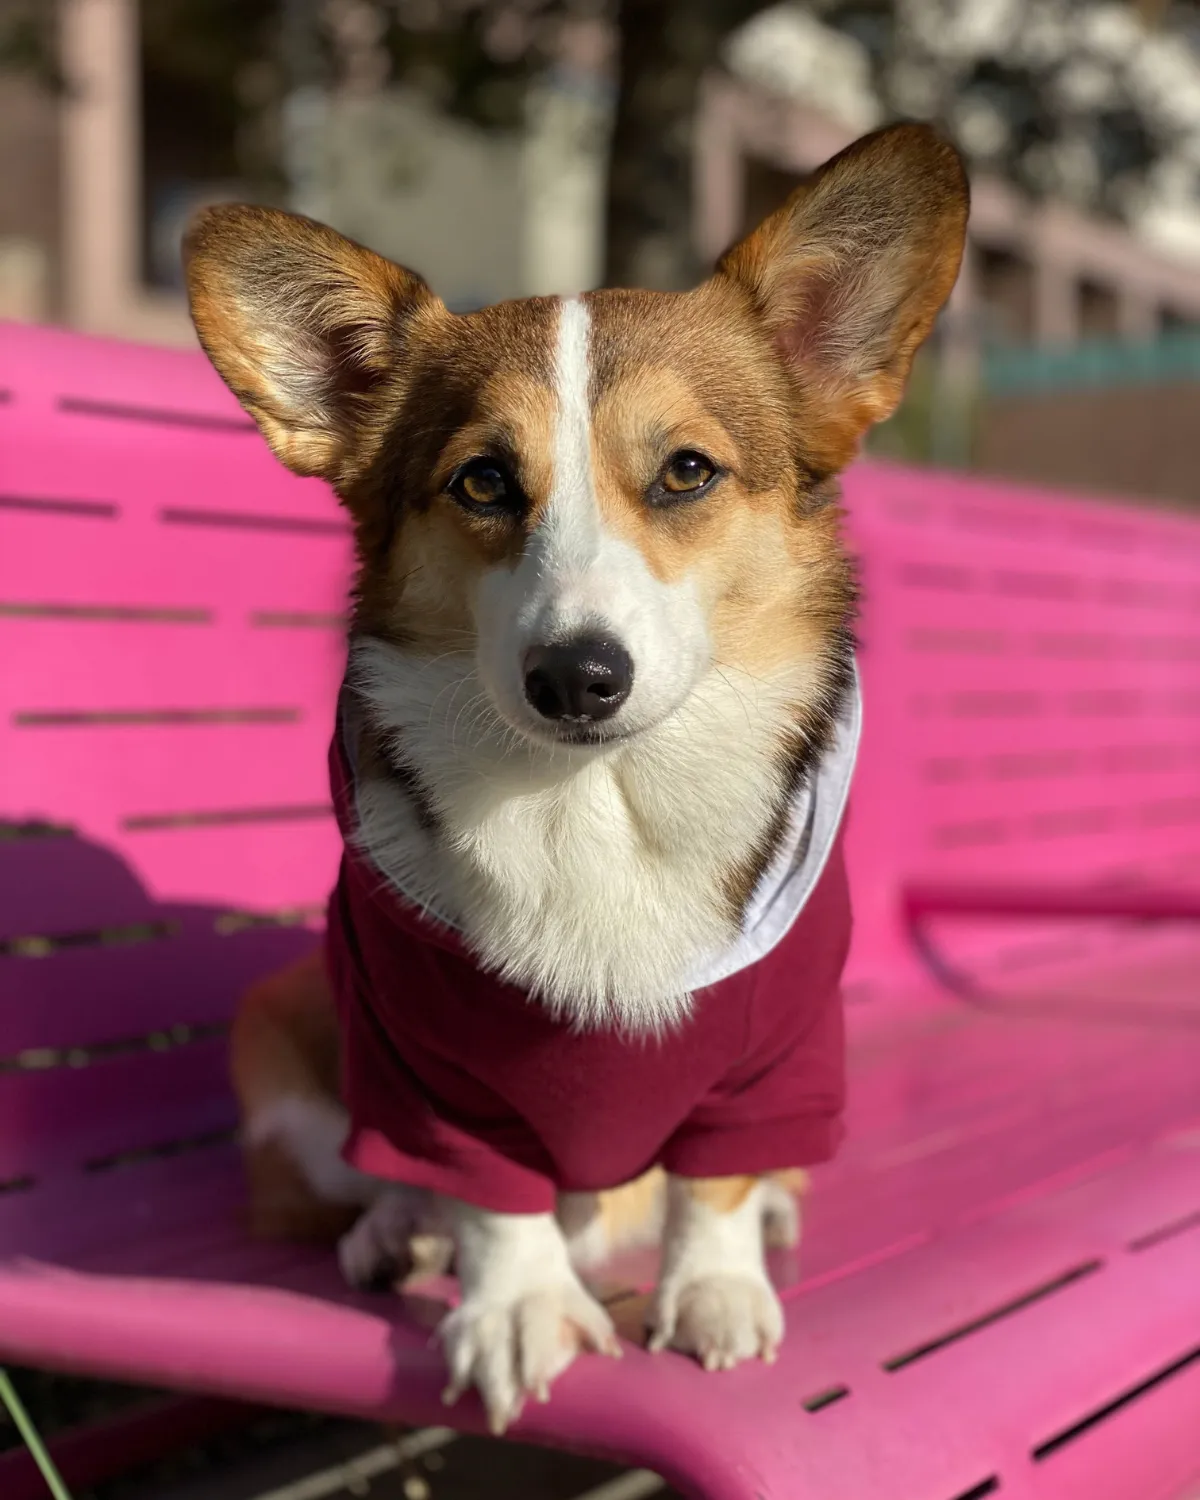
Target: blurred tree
{"x": 212, "y": 78}
{"x": 475, "y": 58}
{"x": 1096, "y": 102}
{"x": 27, "y": 41}
{"x": 1093, "y": 101}
{"x": 664, "y": 49}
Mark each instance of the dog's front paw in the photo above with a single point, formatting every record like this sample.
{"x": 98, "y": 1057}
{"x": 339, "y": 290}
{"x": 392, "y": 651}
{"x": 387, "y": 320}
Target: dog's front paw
{"x": 513, "y": 1347}
{"x": 720, "y": 1319}
{"x": 378, "y": 1250}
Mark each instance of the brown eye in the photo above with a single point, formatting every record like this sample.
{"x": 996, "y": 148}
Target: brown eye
{"x": 687, "y": 473}
{"x": 483, "y": 484}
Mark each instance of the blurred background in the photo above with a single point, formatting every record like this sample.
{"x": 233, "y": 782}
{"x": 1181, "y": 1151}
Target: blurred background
{"x": 509, "y": 147}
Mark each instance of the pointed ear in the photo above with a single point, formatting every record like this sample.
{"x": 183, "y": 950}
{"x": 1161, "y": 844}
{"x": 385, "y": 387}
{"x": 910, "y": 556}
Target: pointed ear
{"x": 304, "y": 326}
{"x": 850, "y": 273}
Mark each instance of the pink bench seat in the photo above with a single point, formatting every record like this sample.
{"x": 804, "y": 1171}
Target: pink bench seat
{"x": 999, "y": 1286}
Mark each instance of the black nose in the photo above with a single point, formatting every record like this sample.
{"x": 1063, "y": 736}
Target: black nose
{"x": 582, "y": 680}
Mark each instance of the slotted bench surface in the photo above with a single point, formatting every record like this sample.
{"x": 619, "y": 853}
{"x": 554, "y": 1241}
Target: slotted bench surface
{"x": 172, "y": 609}
{"x": 999, "y": 1288}
{"x": 1010, "y": 1243}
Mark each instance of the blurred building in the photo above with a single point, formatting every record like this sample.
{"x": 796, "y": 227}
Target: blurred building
{"x": 97, "y": 180}
{"x": 71, "y": 219}
{"x": 496, "y": 215}
{"x": 91, "y": 206}
{"x": 1039, "y": 273}
{"x": 1069, "y": 354}
{"x": 1104, "y": 415}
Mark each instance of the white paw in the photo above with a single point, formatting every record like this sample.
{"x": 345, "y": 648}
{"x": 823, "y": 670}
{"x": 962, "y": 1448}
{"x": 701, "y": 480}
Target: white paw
{"x": 379, "y": 1249}
{"x": 720, "y": 1319}
{"x": 511, "y": 1348}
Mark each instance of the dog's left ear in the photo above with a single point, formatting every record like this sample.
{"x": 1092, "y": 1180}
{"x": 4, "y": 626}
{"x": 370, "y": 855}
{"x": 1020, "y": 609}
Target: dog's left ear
{"x": 850, "y": 273}
{"x": 305, "y": 327}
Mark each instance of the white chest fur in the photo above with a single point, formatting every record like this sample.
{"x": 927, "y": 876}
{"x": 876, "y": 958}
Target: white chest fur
{"x": 595, "y": 879}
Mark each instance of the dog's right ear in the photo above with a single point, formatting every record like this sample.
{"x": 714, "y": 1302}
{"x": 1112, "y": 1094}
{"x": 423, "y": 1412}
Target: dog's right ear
{"x": 305, "y": 327}
{"x": 848, "y": 277}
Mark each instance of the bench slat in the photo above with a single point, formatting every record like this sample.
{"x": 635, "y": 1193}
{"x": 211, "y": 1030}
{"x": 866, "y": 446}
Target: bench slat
{"x": 43, "y": 362}
{"x": 87, "y": 997}
{"x": 153, "y": 775}
{"x": 101, "y": 665}
{"x": 69, "y": 1119}
{"x": 998, "y": 1390}
{"x": 61, "y": 883}
{"x": 137, "y": 1217}
{"x": 283, "y": 864}
{"x": 1032, "y": 683}
{"x": 269, "y": 866}
{"x": 56, "y": 558}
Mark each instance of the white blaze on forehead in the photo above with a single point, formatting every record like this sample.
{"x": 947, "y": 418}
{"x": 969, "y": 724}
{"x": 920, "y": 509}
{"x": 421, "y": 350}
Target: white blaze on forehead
{"x": 573, "y": 430}
{"x": 578, "y": 577}
{"x": 571, "y": 533}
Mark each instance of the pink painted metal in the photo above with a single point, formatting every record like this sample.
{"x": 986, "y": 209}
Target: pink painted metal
{"x": 1033, "y": 666}
{"x": 999, "y": 1285}
{"x": 1149, "y": 905}
{"x": 171, "y": 604}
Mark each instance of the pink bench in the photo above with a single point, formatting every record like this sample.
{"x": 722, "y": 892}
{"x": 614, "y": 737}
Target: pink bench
{"x": 999, "y": 1288}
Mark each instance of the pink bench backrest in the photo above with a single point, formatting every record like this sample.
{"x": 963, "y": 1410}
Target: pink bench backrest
{"x": 170, "y": 610}
{"x": 170, "y": 643}
{"x": 171, "y": 603}
{"x": 169, "y": 648}
{"x": 1031, "y": 671}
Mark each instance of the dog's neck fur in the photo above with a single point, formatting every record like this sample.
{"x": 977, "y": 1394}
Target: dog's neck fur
{"x": 596, "y": 880}
{"x": 521, "y": 478}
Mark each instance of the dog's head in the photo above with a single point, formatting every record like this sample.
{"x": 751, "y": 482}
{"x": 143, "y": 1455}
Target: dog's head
{"x": 599, "y": 499}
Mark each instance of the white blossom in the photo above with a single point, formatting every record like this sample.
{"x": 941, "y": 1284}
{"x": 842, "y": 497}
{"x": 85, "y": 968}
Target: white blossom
{"x": 1081, "y": 77}
{"x": 788, "y": 51}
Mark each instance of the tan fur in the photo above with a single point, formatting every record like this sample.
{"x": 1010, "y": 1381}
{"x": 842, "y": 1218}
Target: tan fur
{"x": 283, "y": 1205}
{"x": 379, "y": 389}
{"x": 772, "y": 574}
{"x": 723, "y": 1194}
{"x": 850, "y": 273}
{"x": 284, "y": 1039}
{"x": 309, "y": 380}
{"x": 794, "y": 1181}
{"x": 284, "y": 1044}
{"x": 727, "y": 1194}
{"x": 773, "y": 367}
{"x": 625, "y": 1211}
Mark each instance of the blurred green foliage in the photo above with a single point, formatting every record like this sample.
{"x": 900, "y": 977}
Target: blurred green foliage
{"x": 28, "y": 41}
{"x": 934, "y": 424}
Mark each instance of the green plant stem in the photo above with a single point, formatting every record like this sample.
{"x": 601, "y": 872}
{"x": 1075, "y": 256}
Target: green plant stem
{"x": 33, "y": 1442}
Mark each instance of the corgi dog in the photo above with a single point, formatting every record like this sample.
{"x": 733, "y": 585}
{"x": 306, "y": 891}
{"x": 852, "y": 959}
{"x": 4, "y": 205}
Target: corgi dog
{"x": 580, "y": 984}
